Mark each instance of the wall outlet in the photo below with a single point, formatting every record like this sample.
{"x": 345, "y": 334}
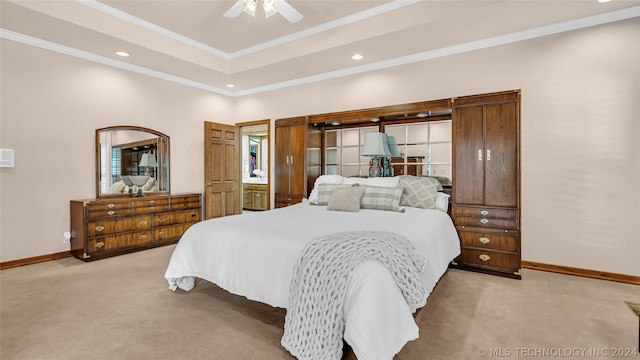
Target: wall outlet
{"x": 67, "y": 237}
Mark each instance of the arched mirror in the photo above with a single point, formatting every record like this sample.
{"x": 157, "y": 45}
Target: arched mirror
{"x": 131, "y": 161}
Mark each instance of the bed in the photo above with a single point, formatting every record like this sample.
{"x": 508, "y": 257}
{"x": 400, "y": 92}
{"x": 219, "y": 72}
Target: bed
{"x": 254, "y": 255}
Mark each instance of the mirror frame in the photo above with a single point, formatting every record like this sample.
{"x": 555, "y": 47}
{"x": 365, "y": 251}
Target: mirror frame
{"x": 162, "y": 158}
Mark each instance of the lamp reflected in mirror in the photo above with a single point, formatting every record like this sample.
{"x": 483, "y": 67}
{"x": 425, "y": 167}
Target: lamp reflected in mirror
{"x": 148, "y": 161}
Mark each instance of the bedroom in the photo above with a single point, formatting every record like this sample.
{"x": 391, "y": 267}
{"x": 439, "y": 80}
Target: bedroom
{"x": 579, "y": 148}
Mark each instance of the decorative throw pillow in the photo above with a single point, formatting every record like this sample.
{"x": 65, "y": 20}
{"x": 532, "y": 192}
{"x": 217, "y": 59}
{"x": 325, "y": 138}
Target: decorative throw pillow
{"x": 117, "y": 187}
{"x": 325, "y": 191}
{"x": 149, "y": 184}
{"x": 382, "y": 198}
{"x": 323, "y": 179}
{"x": 347, "y": 199}
{"x": 419, "y": 192}
{"x": 442, "y": 201}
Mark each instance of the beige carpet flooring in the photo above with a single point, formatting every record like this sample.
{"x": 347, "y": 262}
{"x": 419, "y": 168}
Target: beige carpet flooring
{"x": 120, "y": 308}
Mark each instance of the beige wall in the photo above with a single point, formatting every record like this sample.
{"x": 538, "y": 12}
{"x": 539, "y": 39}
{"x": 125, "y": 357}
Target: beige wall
{"x": 580, "y": 148}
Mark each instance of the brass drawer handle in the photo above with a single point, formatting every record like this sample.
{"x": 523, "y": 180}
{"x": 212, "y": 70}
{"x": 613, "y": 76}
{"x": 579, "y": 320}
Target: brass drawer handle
{"x": 143, "y": 237}
{"x": 151, "y": 202}
{"x": 160, "y": 220}
{"x": 100, "y": 245}
{"x": 484, "y": 212}
{"x": 111, "y": 212}
{"x": 484, "y": 257}
{"x": 161, "y": 234}
{"x": 143, "y": 222}
{"x": 152, "y": 208}
{"x": 257, "y": 195}
{"x": 485, "y": 240}
{"x": 289, "y": 199}
{"x": 99, "y": 228}
{"x": 484, "y": 221}
{"x": 111, "y": 206}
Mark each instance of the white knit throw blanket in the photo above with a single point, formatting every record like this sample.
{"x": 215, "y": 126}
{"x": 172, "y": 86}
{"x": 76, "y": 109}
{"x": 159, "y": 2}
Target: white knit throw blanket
{"x": 314, "y": 324}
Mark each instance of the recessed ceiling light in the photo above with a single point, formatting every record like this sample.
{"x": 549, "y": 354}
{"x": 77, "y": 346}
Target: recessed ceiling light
{"x": 230, "y": 85}
{"x": 603, "y": 1}
{"x": 375, "y": 119}
{"x": 122, "y": 53}
{"x": 357, "y": 57}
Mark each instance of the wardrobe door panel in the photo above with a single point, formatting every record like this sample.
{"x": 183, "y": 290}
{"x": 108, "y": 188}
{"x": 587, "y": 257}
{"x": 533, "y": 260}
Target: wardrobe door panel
{"x": 469, "y": 156}
{"x": 501, "y": 154}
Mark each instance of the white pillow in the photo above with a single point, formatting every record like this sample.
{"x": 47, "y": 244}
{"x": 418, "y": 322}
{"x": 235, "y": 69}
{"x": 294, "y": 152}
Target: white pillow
{"x": 323, "y": 179}
{"x": 442, "y": 201}
{"x": 388, "y": 182}
{"x": 355, "y": 180}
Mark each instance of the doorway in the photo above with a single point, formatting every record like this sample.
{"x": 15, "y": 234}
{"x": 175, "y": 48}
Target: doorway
{"x": 255, "y": 165}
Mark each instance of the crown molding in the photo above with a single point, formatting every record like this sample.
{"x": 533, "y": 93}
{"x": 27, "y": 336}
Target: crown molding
{"x": 595, "y": 20}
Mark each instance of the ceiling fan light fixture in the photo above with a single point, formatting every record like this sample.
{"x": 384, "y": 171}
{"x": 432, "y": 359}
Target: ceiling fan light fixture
{"x": 249, "y": 6}
{"x": 269, "y": 8}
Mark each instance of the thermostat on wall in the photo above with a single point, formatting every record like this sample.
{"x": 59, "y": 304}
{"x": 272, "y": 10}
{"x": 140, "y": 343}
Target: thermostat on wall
{"x": 6, "y": 158}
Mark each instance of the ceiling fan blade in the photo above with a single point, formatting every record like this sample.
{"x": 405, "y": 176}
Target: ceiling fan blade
{"x": 287, "y": 11}
{"x": 234, "y": 11}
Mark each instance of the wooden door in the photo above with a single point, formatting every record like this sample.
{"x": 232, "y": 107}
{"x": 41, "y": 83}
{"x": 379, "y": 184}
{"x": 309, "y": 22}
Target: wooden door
{"x": 297, "y": 150}
{"x": 501, "y": 154}
{"x": 281, "y": 160}
{"x": 222, "y": 194}
{"x": 468, "y": 155}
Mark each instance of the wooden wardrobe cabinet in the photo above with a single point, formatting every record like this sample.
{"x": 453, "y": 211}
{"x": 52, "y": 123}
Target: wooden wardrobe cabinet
{"x": 290, "y": 148}
{"x": 114, "y": 226}
{"x": 486, "y": 182}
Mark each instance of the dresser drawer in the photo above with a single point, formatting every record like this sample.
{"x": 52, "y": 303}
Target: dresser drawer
{"x": 110, "y": 213}
{"x": 491, "y": 241}
{"x": 287, "y": 199}
{"x": 485, "y": 212}
{"x": 187, "y": 216}
{"x": 104, "y": 206}
{"x": 493, "y": 260}
{"x": 115, "y": 242}
{"x": 172, "y": 232}
{"x": 150, "y": 209}
{"x": 106, "y": 227}
{"x": 185, "y": 202}
{"x": 151, "y": 202}
{"x": 486, "y": 222}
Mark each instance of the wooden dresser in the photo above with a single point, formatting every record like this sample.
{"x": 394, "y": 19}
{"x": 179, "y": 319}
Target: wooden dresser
{"x": 106, "y": 227}
{"x": 486, "y": 182}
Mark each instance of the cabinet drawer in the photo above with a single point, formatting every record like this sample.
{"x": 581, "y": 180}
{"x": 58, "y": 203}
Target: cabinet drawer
{"x": 486, "y": 222}
{"x": 288, "y": 199}
{"x": 185, "y": 202}
{"x": 176, "y": 217}
{"x": 507, "y": 243}
{"x": 490, "y": 259}
{"x": 114, "y": 242}
{"x": 462, "y": 211}
{"x": 150, "y": 202}
{"x": 104, "y": 206}
{"x": 150, "y": 209}
{"x": 106, "y": 227}
{"x": 110, "y": 213}
{"x": 172, "y": 232}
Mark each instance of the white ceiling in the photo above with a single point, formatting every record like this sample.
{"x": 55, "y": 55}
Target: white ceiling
{"x": 190, "y": 42}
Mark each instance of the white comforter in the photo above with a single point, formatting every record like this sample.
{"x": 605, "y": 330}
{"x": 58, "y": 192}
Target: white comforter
{"x": 254, "y": 254}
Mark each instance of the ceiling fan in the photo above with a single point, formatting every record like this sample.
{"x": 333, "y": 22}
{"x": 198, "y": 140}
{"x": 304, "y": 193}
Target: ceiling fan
{"x": 270, "y": 7}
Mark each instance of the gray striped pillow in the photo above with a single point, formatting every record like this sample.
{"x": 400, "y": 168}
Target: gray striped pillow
{"x": 325, "y": 191}
{"x": 382, "y": 198}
